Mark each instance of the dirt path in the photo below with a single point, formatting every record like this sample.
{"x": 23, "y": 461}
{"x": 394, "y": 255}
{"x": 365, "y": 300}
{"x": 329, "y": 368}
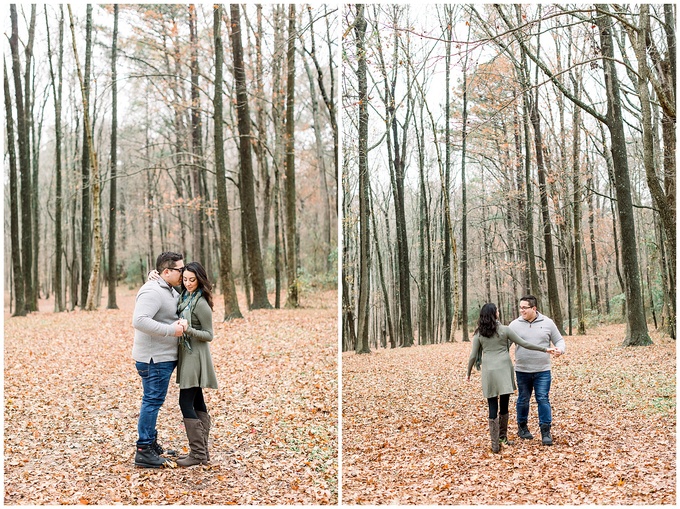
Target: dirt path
{"x": 72, "y": 399}
{"x": 415, "y": 432}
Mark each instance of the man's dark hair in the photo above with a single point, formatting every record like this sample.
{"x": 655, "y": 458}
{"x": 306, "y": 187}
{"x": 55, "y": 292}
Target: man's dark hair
{"x": 167, "y": 260}
{"x": 530, "y": 299}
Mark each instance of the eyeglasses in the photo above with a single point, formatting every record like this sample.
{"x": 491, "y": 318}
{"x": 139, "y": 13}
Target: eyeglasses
{"x": 524, "y": 308}
{"x": 180, "y": 270}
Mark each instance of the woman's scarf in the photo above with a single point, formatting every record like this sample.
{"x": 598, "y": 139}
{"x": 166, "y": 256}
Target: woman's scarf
{"x": 186, "y": 307}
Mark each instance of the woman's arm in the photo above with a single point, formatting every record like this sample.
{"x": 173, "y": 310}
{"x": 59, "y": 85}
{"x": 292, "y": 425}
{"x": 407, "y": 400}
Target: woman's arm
{"x": 516, "y": 339}
{"x": 203, "y": 313}
{"x": 476, "y": 346}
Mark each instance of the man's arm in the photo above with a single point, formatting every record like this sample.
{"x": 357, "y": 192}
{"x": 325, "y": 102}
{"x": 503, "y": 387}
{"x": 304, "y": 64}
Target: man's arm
{"x": 557, "y": 339}
{"x": 146, "y": 307}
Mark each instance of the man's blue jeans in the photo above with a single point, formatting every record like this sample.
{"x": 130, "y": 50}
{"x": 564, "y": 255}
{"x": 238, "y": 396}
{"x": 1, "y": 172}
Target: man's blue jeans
{"x": 155, "y": 381}
{"x": 539, "y": 383}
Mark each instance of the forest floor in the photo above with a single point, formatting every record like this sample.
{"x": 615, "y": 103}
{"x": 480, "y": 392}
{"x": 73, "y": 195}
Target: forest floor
{"x": 72, "y": 398}
{"x": 415, "y": 432}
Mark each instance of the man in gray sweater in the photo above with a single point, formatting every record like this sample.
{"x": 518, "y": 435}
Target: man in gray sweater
{"x": 155, "y": 351}
{"x": 533, "y": 368}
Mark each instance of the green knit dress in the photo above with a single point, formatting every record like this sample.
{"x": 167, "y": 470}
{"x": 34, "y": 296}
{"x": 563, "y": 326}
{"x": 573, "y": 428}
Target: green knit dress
{"x": 194, "y": 362}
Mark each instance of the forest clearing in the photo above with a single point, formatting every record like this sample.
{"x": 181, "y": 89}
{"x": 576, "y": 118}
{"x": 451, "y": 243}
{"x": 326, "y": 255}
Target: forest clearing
{"x": 415, "y": 432}
{"x": 72, "y": 397}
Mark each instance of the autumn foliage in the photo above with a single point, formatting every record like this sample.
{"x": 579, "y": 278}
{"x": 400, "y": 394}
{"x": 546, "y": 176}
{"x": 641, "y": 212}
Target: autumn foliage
{"x": 72, "y": 398}
{"x": 415, "y": 432}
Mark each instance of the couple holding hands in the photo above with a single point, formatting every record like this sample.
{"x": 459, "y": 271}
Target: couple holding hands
{"x": 173, "y": 328}
{"x": 532, "y": 334}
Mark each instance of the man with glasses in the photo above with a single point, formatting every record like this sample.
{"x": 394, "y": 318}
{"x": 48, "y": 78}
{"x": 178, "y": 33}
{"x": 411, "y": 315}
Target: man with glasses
{"x": 155, "y": 351}
{"x": 533, "y": 368}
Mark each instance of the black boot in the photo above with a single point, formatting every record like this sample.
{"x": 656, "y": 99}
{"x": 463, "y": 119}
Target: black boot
{"x": 158, "y": 449}
{"x": 147, "y": 457}
{"x": 523, "y": 431}
{"x": 503, "y": 430}
{"x": 546, "y": 438}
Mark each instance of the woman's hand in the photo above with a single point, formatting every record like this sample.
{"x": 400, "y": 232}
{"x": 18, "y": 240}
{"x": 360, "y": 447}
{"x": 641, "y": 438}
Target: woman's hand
{"x": 183, "y": 322}
{"x": 153, "y": 275}
{"x": 553, "y": 351}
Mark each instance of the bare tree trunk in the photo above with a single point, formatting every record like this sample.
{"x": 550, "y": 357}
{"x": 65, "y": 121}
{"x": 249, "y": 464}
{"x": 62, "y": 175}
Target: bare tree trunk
{"x": 24, "y": 169}
{"x": 90, "y": 305}
{"x": 17, "y": 275}
{"x": 446, "y": 232}
{"x": 86, "y": 206}
{"x": 113, "y": 206}
{"x": 323, "y": 184}
{"x": 464, "y": 261}
{"x": 57, "y": 93}
{"x": 381, "y": 275}
{"x": 577, "y": 212}
{"x": 199, "y": 220}
{"x": 591, "y": 228}
{"x": 231, "y": 307}
{"x": 362, "y": 343}
{"x": 292, "y": 300}
{"x": 328, "y": 97}
{"x": 637, "y": 333}
{"x": 246, "y": 188}
{"x": 263, "y": 165}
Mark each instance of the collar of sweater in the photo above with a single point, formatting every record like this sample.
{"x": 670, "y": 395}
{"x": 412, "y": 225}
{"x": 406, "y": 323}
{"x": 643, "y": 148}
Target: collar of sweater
{"x": 539, "y": 318}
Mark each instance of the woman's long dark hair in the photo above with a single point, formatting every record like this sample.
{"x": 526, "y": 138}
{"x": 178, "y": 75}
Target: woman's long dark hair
{"x": 202, "y": 278}
{"x": 487, "y": 323}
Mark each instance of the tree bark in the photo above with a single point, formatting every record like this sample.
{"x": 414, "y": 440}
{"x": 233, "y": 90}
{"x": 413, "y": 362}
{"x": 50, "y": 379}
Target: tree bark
{"x": 86, "y": 232}
{"x": 199, "y": 220}
{"x": 113, "y": 268}
{"x": 362, "y": 342}
{"x": 17, "y": 274}
{"x": 24, "y": 168}
{"x": 576, "y": 152}
{"x": 293, "y": 298}
{"x": 231, "y": 307}
{"x": 246, "y": 188}
{"x": 90, "y": 304}
{"x": 464, "y": 247}
{"x": 57, "y": 88}
{"x": 637, "y": 333}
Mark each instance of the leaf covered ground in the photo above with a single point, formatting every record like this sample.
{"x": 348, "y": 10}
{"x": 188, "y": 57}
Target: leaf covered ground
{"x": 415, "y": 432}
{"x": 72, "y": 398}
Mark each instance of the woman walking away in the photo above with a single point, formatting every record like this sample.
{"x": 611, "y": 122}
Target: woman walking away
{"x": 194, "y": 364}
{"x": 491, "y": 343}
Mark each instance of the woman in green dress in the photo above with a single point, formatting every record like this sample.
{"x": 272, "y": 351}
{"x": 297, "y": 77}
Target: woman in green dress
{"x": 194, "y": 364}
{"x": 491, "y": 343}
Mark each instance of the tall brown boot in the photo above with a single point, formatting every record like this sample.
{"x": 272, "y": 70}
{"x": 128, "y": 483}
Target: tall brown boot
{"x": 503, "y": 430}
{"x": 493, "y": 431}
{"x": 207, "y": 424}
{"x": 195, "y": 434}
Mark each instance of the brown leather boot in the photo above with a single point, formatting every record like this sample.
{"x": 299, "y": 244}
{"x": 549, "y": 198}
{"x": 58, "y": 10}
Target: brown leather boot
{"x": 493, "y": 431}
{"x": 503, "y": 430}
{"x": 207, "y": 424}
{"x": 195, "y": 434}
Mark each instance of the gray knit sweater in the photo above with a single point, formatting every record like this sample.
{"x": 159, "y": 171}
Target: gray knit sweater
{"x": 155, "y": 312}
{"x": 541, "y": 332}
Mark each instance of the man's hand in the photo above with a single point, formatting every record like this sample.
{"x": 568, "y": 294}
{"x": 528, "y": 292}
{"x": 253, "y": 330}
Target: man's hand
{"x": 179, "y": 330}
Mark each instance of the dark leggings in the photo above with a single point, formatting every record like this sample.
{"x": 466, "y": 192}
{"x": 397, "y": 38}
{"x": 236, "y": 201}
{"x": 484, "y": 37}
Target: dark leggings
{"x": 493, "y": 405}
{"x": 191, "y": 401}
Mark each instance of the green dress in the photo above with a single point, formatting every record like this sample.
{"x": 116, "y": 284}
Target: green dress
{"x": 194, "y": 362}
{"x": 497, "y": 370}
